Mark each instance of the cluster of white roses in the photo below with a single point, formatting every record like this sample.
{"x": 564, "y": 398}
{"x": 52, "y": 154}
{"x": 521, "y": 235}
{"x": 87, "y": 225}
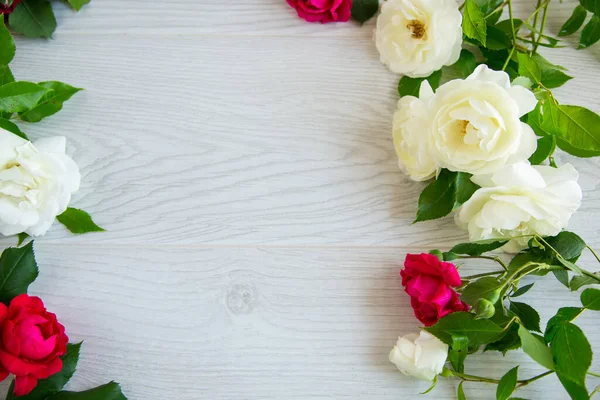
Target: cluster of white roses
{"x": 36, "y": 183}
{"x": 471, "y": 125}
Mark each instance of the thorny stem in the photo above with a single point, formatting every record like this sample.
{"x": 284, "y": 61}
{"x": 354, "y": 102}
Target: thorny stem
{"x": 475, "y": 378}
{"x": 482, "y": 275}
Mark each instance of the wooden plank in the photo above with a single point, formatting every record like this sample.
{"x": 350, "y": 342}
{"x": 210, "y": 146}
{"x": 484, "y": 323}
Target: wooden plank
{"x": 255, "y": 140}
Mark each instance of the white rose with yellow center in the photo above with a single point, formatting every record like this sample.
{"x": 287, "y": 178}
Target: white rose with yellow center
{"x": 36, "y": 183}
{"x": 418, "y": 37}
{"x": 475, "y": 123}
{"x": 521, "y": 199}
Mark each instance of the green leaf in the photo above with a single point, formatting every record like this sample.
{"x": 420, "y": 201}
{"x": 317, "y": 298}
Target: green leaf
{"x": 553, "y": 78}
{"x": 590, "y": 298}
{"x": 362, "y": 10}
{"x": 21, "y": 238}
{"x": 536, "y": 348}
{"x": 11, "y": 127}
{"x": 460, "y": 394}
{"x": 576, "y": 390}
{"x": 7, "y": 45}
{"x": 574, "y": 22}
{"x": 52, "y": 385}
{"x": 6, "y": 75}
{"x": 78, "y": 221}
{"x": 507, "y": 384}
{"x": 522, "y": 290}
{"x": 479, "y": 331}
{"x": 474, "y": 25}
{"x": 438, "y": 198}
{"x": 411, "y": 86}
{"x": 568, "y": 244}
{"x": 20, "y": 96}
{"x": 510, "y": 341}
{"x": 467, "y": 63}
{"x": 78, "y": 4}
{"x": 464, "y": 188}
{"x": 483, "y": 288}
{"x": 577, "y": 126}
{"x": 51, "y": 103}
{"x": 562, "y": 276}
{"x": 33, "y": 18}
{"x": 458, "y": 352}
{"x": 527, "y": 314}
{"x": 591, "y": 5}
{"x": 18, "y": 270}
{"x": 497, "y": 39}
{"x": 479, "y": 247}
{"x": 545, "y": 147}
{"x": 564, "y": 314}
{"x": 590, "y": 33}
{"x": 110, "y": 391}
{"x": 579, "y": 281}
{"x": 572, "y": 352}
{"x": 529, "y": 68}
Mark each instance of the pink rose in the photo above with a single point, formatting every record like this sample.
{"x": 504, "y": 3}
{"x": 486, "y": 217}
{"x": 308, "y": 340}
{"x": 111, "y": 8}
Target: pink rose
{"x": 429, "y": 282}
{"x": 31, "y": 342}
{"x": 8, "y": 6}
{"x": 323, "y": 10}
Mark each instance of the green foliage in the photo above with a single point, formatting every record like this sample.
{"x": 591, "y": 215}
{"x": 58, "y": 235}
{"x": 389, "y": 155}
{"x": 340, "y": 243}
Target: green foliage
{"x": 579, "y": 281}
{"x": 18, "y": 270}
{"x": 458, "y": 352}
{"x": 438, "y": 198}
{"x": 54, "y": 384}
{"x": 20, "y": 96}
{"x": 484, "y": 309}
{"x": 572, "y": 352}
{"x": 464, "y": 188}
{"x": 536, "y": 348}
{"x": 33, "y": 18}
{"x": 22, "y": 237}
{"x": 411, "y": 86}
{"x": 474, "y": 25}
{"x": 78, "y": 4}
{"x": 477, "y": 248}
{"x": 529, "y": 318}
{"x": 507, "y": 384}
{"x": 564, "y": 314}
{"x": 362, "y": 10}
{"x": 478, "y": 331}
{"x": 467, "y": 63}
{"x": 510, "y": 341}
{"x": 78, "y": 221}
{"x": 546, "y": 146}
{"x": 574, "y": 22}
{"x": 9, "y": 126}
{"x": 487, "y": 288}
{"x": 7, "y": 45}
{"x": 51, "y": 102}
{"x": 522, "y": 290}
{"x": 460, "y": 394}
{"x": 109, "y": 391}
{"x": 590, "y": 298}
{"x": 592, "y": 6}
{"x": 590, "y": 33}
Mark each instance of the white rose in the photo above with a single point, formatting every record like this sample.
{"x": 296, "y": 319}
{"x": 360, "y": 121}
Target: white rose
{"x": 521, "y": 199}
{"x": 418, "y": 37}
{"x": 475, "y": 123}
{"x": 412, "y": 146}
{"x": 422, "y": 356}
{"x": 36, "y": 183}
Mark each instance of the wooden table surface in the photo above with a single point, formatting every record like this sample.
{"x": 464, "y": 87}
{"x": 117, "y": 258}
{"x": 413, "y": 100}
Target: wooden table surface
{"x": 241, "y": 161}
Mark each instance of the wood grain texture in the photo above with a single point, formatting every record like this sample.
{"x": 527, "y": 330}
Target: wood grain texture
{"x": 242, "y": 163}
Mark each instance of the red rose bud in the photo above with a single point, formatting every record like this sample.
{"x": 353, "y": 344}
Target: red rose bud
{"x": 323, "y": 10}
{"x": 429, "y": 282}
{"x": 31, "y": 343}
{"x": 8, "y": 6}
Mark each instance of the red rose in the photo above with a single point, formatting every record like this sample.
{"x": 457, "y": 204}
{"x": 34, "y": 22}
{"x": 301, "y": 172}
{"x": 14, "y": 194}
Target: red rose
{"x": 8, "y": 6}
{"x": 429, "y": 282}
{"x": 323, "y": 10}
{"x": 31, "y": 344}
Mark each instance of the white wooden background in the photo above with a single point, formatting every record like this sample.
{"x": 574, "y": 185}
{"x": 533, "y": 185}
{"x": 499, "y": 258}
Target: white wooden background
{"x": 242, "y": 163}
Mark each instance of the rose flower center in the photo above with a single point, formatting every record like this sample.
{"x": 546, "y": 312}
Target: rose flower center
{"x": 417, "y": 28}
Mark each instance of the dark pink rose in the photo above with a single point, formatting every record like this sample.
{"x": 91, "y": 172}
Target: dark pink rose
{"x": 430, "y": 282}
{"x": 8, "y": 6}
{"x": 323, "y": 10}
